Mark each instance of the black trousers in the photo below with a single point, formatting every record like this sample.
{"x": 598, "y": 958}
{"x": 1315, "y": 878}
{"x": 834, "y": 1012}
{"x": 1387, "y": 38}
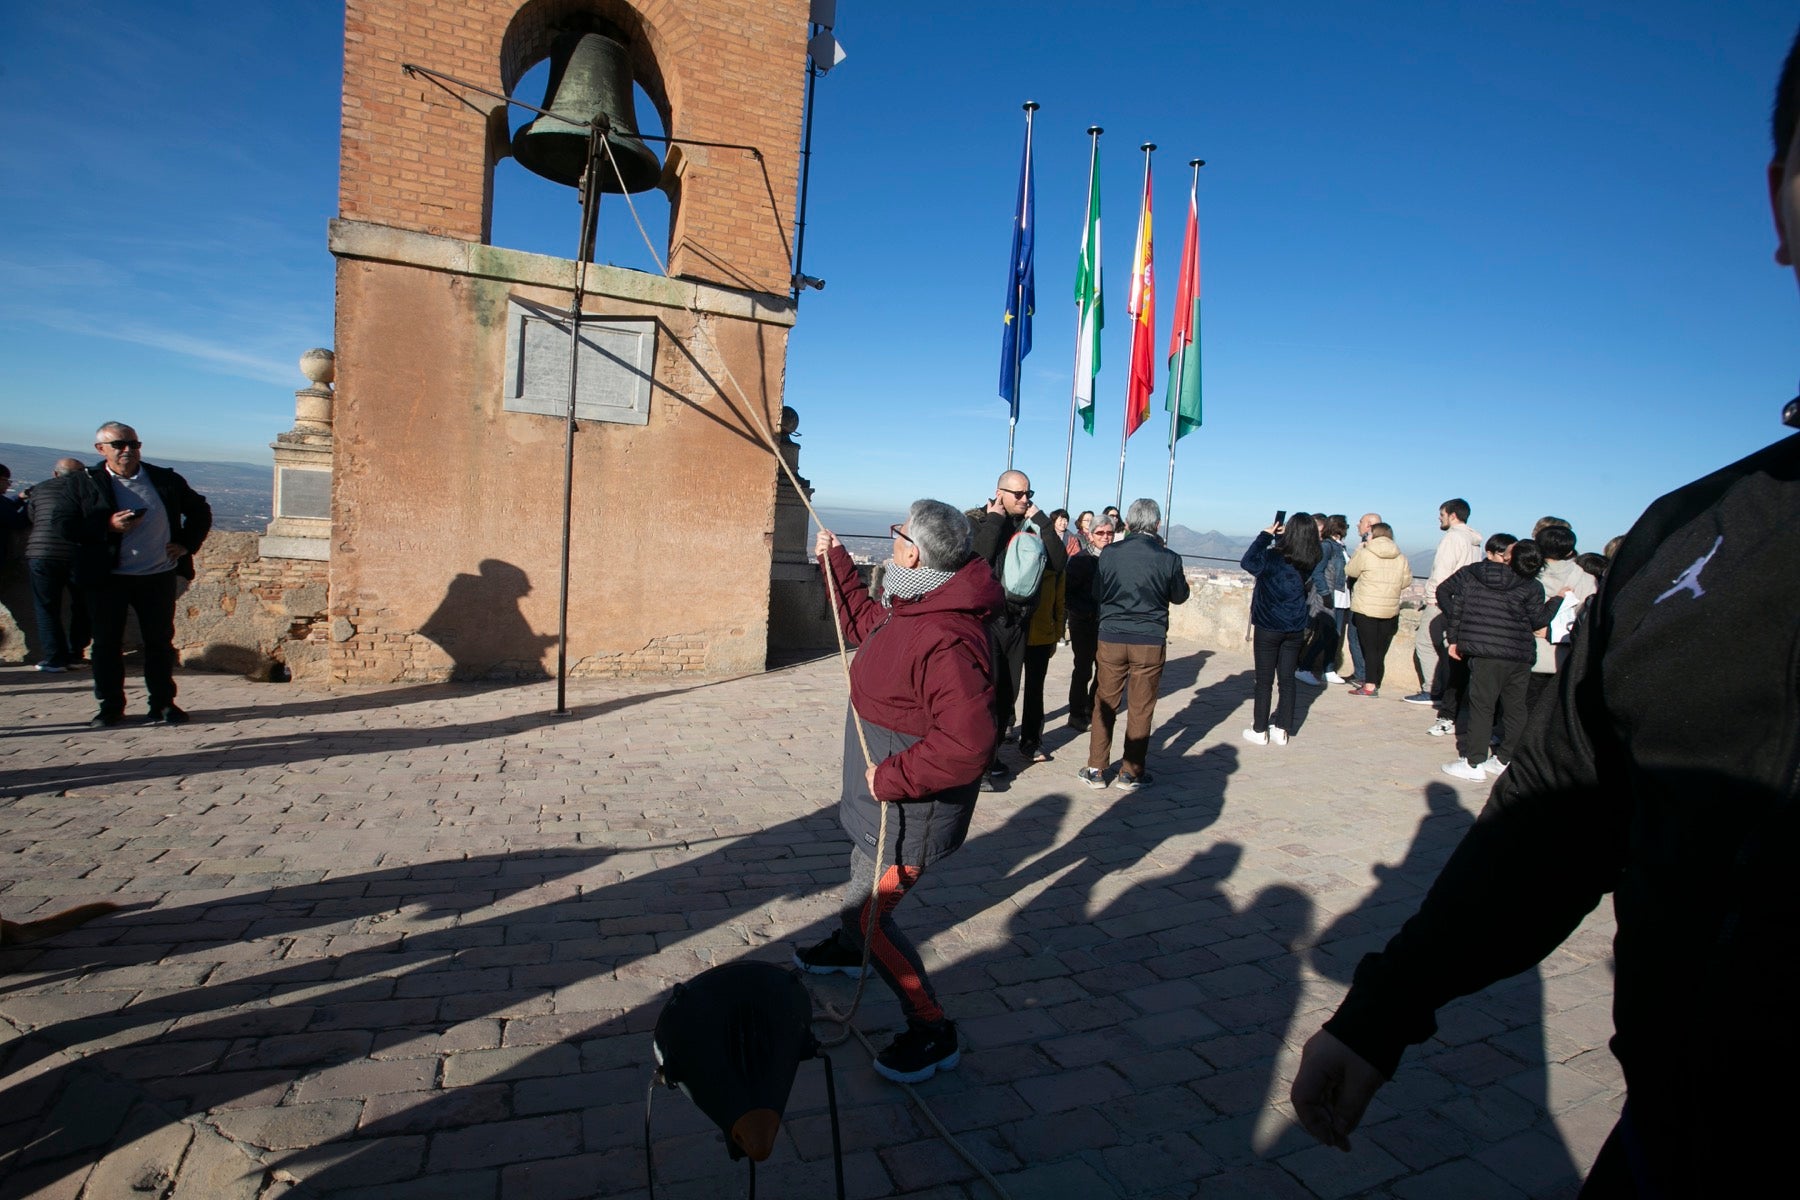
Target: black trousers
{"x": 1491, "y": 681}
{"x": 1375, "y": 634}
{"x": 1320, "y": 654}
{"x": 1277, "y": 654}
{"x": 1008, "y": 631}
{"x": 1031, "y": 711}
{"x": 1452, "y": 673}
{"x": 1084, "y": 641}
{"x": 152, "y": 597}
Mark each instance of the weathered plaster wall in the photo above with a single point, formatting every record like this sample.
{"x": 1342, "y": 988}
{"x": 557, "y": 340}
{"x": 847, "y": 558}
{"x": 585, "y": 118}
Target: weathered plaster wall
{"x": 447, "y": 508}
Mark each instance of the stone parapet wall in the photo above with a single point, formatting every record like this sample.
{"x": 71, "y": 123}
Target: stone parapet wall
{"x": 243, "y": 613}
{"x": 1217, "y": 614}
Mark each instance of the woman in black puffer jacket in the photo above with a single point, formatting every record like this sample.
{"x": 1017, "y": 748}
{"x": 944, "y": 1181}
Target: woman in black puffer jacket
{"x": 1493, "y": 608}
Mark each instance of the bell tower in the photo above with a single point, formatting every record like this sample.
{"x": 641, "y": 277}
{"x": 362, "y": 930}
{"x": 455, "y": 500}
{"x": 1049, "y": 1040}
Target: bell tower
{"x": 453, "y": 355}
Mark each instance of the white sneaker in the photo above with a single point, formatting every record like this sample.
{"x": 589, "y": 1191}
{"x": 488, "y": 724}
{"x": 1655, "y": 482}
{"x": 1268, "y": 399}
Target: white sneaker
{"x": 1278, "y": 735}
{"x": 1440, "y": 727}
{"x": 1334, "y": 677}
{"x": 1308, "y": 678}
{"x": 1493, "y": 767}
{"x": 1462, "y": 770}
{"x": 1255, "y": 738}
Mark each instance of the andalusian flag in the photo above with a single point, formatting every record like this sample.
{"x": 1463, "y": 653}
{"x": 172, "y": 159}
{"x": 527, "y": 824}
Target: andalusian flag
{"x": 1184, "y": 339}
{"x": 1021, "y": 287}
{"x": 1140, "y": 305}
{"x": 1089, "y": 308}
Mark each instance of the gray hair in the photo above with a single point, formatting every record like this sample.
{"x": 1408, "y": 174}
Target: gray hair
{"x": 1104, "y": 523}
{"x": 67, "y": 466}
{"x": 941, "y": 533}
{"x": 116, "y": 427}
{"x": 1143, "y": 516}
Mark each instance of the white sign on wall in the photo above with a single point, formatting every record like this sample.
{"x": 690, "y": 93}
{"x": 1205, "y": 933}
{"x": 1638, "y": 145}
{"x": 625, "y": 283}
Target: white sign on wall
{"x": 613, "y": 374}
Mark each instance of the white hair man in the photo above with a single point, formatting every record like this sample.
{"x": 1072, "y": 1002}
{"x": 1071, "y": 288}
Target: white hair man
{"x": 1134, "y": 583}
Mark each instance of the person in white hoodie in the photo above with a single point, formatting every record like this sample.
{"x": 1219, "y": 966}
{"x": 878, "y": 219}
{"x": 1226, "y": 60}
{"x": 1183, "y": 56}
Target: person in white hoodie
{"x": 1459, "y": 547}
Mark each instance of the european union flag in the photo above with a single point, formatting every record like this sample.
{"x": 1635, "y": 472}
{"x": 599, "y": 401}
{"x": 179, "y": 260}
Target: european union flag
{"x": 1021, "y": 287}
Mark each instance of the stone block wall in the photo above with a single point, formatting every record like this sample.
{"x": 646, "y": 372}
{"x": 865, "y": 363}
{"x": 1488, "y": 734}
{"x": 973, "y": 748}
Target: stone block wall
{"x": 243, "y": 613}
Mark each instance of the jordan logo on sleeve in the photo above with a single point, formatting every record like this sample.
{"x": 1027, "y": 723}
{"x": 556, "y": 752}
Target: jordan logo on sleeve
{"x": 1689, "y": 580}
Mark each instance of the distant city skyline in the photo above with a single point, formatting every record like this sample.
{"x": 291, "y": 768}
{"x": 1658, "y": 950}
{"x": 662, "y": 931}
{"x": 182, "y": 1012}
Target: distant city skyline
{"x": 1515, "y": 254}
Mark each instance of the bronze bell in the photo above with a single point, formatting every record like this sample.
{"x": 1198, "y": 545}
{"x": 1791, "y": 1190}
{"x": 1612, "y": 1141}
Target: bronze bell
{"x": 590, "y": 74}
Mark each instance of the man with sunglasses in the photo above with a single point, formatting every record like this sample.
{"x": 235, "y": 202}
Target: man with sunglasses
{"x": 993, "y": 526}
{"x": 136, "y": 528}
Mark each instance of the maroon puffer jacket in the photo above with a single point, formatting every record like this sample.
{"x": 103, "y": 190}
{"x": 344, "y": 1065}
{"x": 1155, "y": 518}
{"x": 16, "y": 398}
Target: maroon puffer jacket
{"x": 924, "y": 670}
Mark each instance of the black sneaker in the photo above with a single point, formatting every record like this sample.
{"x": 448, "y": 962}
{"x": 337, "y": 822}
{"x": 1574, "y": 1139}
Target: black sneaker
{"x": 833, "y": 956}
{"x": 998, "y": 770}
{"x": 919, "y": 1052}
{"x": 1127, "y": 782}
{"x": 105, "y": 720}
{"x": 167, "y": 715}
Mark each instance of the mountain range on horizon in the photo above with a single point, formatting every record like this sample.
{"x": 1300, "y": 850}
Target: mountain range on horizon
{"x": 242, "y": 495}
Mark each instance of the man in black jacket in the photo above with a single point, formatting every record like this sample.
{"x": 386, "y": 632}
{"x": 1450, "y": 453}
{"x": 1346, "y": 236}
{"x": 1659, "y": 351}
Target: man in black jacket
{"x": 1134, "y": 584}
{"x": 50, "y": 559}
{"x": 1663, "y": 768}
{"x": 1007, "y": 513}
{"x": 137, "y": 527}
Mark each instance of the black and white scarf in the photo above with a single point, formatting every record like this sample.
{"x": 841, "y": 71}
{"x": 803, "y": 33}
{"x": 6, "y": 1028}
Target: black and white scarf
{"x": 909, "y": 583}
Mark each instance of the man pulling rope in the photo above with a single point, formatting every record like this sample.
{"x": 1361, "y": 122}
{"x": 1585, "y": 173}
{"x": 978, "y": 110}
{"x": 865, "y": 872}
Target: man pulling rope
{"x": 923, "y": 686}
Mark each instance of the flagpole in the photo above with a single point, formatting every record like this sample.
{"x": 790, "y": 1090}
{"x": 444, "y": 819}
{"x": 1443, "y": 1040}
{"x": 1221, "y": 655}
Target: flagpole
{"x": 1124, "y": 414}
{"x": 1179, "y": 380}
{"x": 1012, "y": 417}
{"x": 1094, "y": 132}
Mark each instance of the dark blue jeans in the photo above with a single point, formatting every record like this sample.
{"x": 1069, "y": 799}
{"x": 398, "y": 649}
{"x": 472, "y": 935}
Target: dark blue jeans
{"x": 49, "y": 582}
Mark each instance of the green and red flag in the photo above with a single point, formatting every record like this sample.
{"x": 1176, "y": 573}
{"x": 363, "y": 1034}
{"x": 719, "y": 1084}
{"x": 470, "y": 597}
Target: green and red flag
{"x": 1184, "y": 339}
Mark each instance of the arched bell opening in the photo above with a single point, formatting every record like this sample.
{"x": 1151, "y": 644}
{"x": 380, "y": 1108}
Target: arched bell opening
{"x": 576, "y": 57}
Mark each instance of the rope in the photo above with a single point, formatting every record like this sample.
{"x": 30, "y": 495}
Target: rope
{"x": 831, "y": 1015}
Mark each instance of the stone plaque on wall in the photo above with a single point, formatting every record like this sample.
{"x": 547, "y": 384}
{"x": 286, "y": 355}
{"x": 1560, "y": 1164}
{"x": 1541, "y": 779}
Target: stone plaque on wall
{"x": 613, "y": 374}
{"x": 302, "y": 493}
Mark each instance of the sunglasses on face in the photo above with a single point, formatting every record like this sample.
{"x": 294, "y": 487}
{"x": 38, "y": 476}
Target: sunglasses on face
{"x": 1024, "y": 495}
{"x": 124, "y": 445}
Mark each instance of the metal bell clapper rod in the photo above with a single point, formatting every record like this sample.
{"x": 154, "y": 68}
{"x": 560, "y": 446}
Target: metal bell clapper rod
{"x": 440, "y": 78}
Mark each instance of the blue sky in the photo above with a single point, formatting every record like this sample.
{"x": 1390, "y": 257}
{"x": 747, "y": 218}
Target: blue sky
{"x": 1515, "y": 252}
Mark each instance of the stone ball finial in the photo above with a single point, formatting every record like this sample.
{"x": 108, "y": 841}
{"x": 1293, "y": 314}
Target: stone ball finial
{"x": 790, "y": 421}
{"x": 319, "y": 365}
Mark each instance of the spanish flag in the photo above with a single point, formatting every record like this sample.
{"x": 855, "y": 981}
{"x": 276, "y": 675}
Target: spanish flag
{"x": 1140, "y": 305}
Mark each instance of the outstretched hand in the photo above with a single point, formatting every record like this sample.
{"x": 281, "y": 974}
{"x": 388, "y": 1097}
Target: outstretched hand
{"x": 825, "y": 542}
{"x": 1332, "y": 1089}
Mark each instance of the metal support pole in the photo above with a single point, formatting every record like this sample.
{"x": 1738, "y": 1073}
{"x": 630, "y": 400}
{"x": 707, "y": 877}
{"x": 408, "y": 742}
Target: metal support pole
{"x": 590, "y": 228}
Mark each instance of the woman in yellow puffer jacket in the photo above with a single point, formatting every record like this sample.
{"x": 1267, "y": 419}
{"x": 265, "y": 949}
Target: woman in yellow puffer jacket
{"x": 1381, "y": 573}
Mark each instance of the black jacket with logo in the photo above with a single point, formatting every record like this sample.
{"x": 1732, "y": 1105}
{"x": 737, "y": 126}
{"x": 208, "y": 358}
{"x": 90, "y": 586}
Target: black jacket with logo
{"x": 1666, "y": 771}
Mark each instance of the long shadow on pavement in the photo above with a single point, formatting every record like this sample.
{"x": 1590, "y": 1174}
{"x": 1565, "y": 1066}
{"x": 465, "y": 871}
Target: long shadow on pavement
{"x": 1497, "y": 1034}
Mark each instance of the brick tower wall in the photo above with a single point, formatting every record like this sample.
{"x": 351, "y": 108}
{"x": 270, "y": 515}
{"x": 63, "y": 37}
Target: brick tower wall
{"x": 447, "y": 507}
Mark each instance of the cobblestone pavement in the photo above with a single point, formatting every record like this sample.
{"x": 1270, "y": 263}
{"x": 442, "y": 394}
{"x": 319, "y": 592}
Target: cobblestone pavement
{"x": 411, "y": 942}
